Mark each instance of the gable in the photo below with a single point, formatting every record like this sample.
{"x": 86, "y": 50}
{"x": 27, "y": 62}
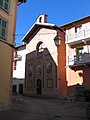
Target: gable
{"x": 46, "y": 36}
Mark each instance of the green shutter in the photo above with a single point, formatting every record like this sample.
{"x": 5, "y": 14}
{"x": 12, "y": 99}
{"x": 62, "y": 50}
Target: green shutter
{"x": 3, "y": 33}
{"x": 2, "y": 29}
{"x": 0, "y": 21}
{"x": 4, "y": 4}
{"x": 0, "y": 26}
{"x": 1, "y": 3}
{"x": 3, "y": 24}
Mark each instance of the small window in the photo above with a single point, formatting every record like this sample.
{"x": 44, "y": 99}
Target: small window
{"x": 39, "y": 48}
{"x": 4, "y": 4}
{"x": 2, "y": 28}
{"x": 14, "y": 89}
{"x": 78, "y": 28}
{"x": 29, "y": 71}
{"x": 79, "y": 50}
{"x": 38, "y": 69}
{"x": 40, "y": 19}
{"x": 49, "y": 68}
{"x": 1, "y": 3}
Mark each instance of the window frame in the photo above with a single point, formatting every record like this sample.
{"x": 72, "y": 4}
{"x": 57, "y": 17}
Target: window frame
{"x": 79, "y": 50}
{"x": 78, "y": 27}
{"x": 49, "y": 68}
{"x": 4, "y": 5}
{"x": 39, "y": 48}
{"x": 3, "y": 28}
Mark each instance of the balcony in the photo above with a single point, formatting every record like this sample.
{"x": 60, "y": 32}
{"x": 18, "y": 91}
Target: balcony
{"x": 70, "y": 61}
{"x": 17, "y": 57}
{"x": 78, "y": 37}
{"x": 82, "y": 59}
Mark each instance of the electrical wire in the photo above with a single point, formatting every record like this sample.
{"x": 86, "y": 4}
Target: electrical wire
{"x": 37, "y": 34}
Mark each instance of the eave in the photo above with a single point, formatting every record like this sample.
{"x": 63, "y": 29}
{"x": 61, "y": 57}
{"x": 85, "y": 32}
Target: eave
{"x": 22, "y": 1}
{"x": 36, "y": 27}
{"x": 75, "y": 23}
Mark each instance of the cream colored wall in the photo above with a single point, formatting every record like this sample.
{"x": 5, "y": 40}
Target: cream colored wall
{"x": 46, "y": 36}
{"x": 5, "y": 70}
{"x": 73, "y": 77}
{"x": 71, "y": 31}
{"x": 6, "y": 54}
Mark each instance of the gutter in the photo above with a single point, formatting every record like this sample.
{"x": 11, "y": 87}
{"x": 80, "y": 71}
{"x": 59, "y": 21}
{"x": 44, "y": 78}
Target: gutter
{"x": 9, "y": 44}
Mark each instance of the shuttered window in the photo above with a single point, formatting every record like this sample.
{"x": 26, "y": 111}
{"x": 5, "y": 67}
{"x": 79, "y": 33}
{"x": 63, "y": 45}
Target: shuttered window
{"x": 2, "y": 28}
{"x": 4, "y": 4}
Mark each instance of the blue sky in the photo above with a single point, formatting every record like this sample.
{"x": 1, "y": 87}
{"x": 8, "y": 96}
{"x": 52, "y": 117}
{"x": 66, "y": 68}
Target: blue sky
{"x": 59, "y": 12}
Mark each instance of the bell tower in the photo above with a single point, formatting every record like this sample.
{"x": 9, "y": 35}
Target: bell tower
{"x": 42, "y": 18}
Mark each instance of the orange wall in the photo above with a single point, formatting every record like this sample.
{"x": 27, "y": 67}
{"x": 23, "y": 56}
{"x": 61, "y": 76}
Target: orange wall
{"x": 6, "y": 54}
{"x": 61, "y": 66}
{"x": 74, "y": 76}
{"x": 79, "y": 74}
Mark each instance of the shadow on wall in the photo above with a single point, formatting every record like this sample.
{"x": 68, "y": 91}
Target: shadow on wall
{"x": 41, "y": 68}
{"x": 79, "y": 93}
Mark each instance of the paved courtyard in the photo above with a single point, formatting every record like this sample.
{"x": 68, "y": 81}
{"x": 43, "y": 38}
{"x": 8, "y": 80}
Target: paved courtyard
{"x": 26, "y": 108}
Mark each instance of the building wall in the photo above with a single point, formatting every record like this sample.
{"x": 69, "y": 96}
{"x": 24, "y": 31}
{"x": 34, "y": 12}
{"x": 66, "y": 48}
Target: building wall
{"x": 18, "y": 72}
{"x": 62, "y": 83}
{"x": 52, "y": 84}
{"x": 47, "y": 37}
{"x": 19, "y": 65}
{"x": 71, "y": 30}
{"x": 6, "y": 53}
{"x": 36, "y": 66}
{"x": 86, "y": 78}
{"x": 77, "y": 74}
{"x": 74, "y": 77}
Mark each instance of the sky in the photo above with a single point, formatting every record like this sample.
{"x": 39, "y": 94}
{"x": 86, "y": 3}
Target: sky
{"x": 59, "y": 12}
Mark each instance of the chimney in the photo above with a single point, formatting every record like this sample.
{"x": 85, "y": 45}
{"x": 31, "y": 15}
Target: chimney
{"x": 42, "y": 18}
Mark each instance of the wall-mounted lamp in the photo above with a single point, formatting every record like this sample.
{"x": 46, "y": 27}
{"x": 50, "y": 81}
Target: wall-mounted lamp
{"x": 57, "y": 40}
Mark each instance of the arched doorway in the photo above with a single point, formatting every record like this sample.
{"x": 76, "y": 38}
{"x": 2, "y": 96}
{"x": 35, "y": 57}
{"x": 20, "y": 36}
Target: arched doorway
{"x": 39, "y": 88}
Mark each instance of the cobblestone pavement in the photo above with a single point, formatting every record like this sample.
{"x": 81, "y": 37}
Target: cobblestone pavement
{"x": 26, "y": 108}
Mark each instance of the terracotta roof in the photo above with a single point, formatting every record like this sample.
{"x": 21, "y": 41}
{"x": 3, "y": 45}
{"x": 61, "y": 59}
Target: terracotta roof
{"x": 20, "y": 47}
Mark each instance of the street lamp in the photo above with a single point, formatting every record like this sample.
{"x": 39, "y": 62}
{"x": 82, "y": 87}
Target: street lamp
{"x": 57, "y": 40}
